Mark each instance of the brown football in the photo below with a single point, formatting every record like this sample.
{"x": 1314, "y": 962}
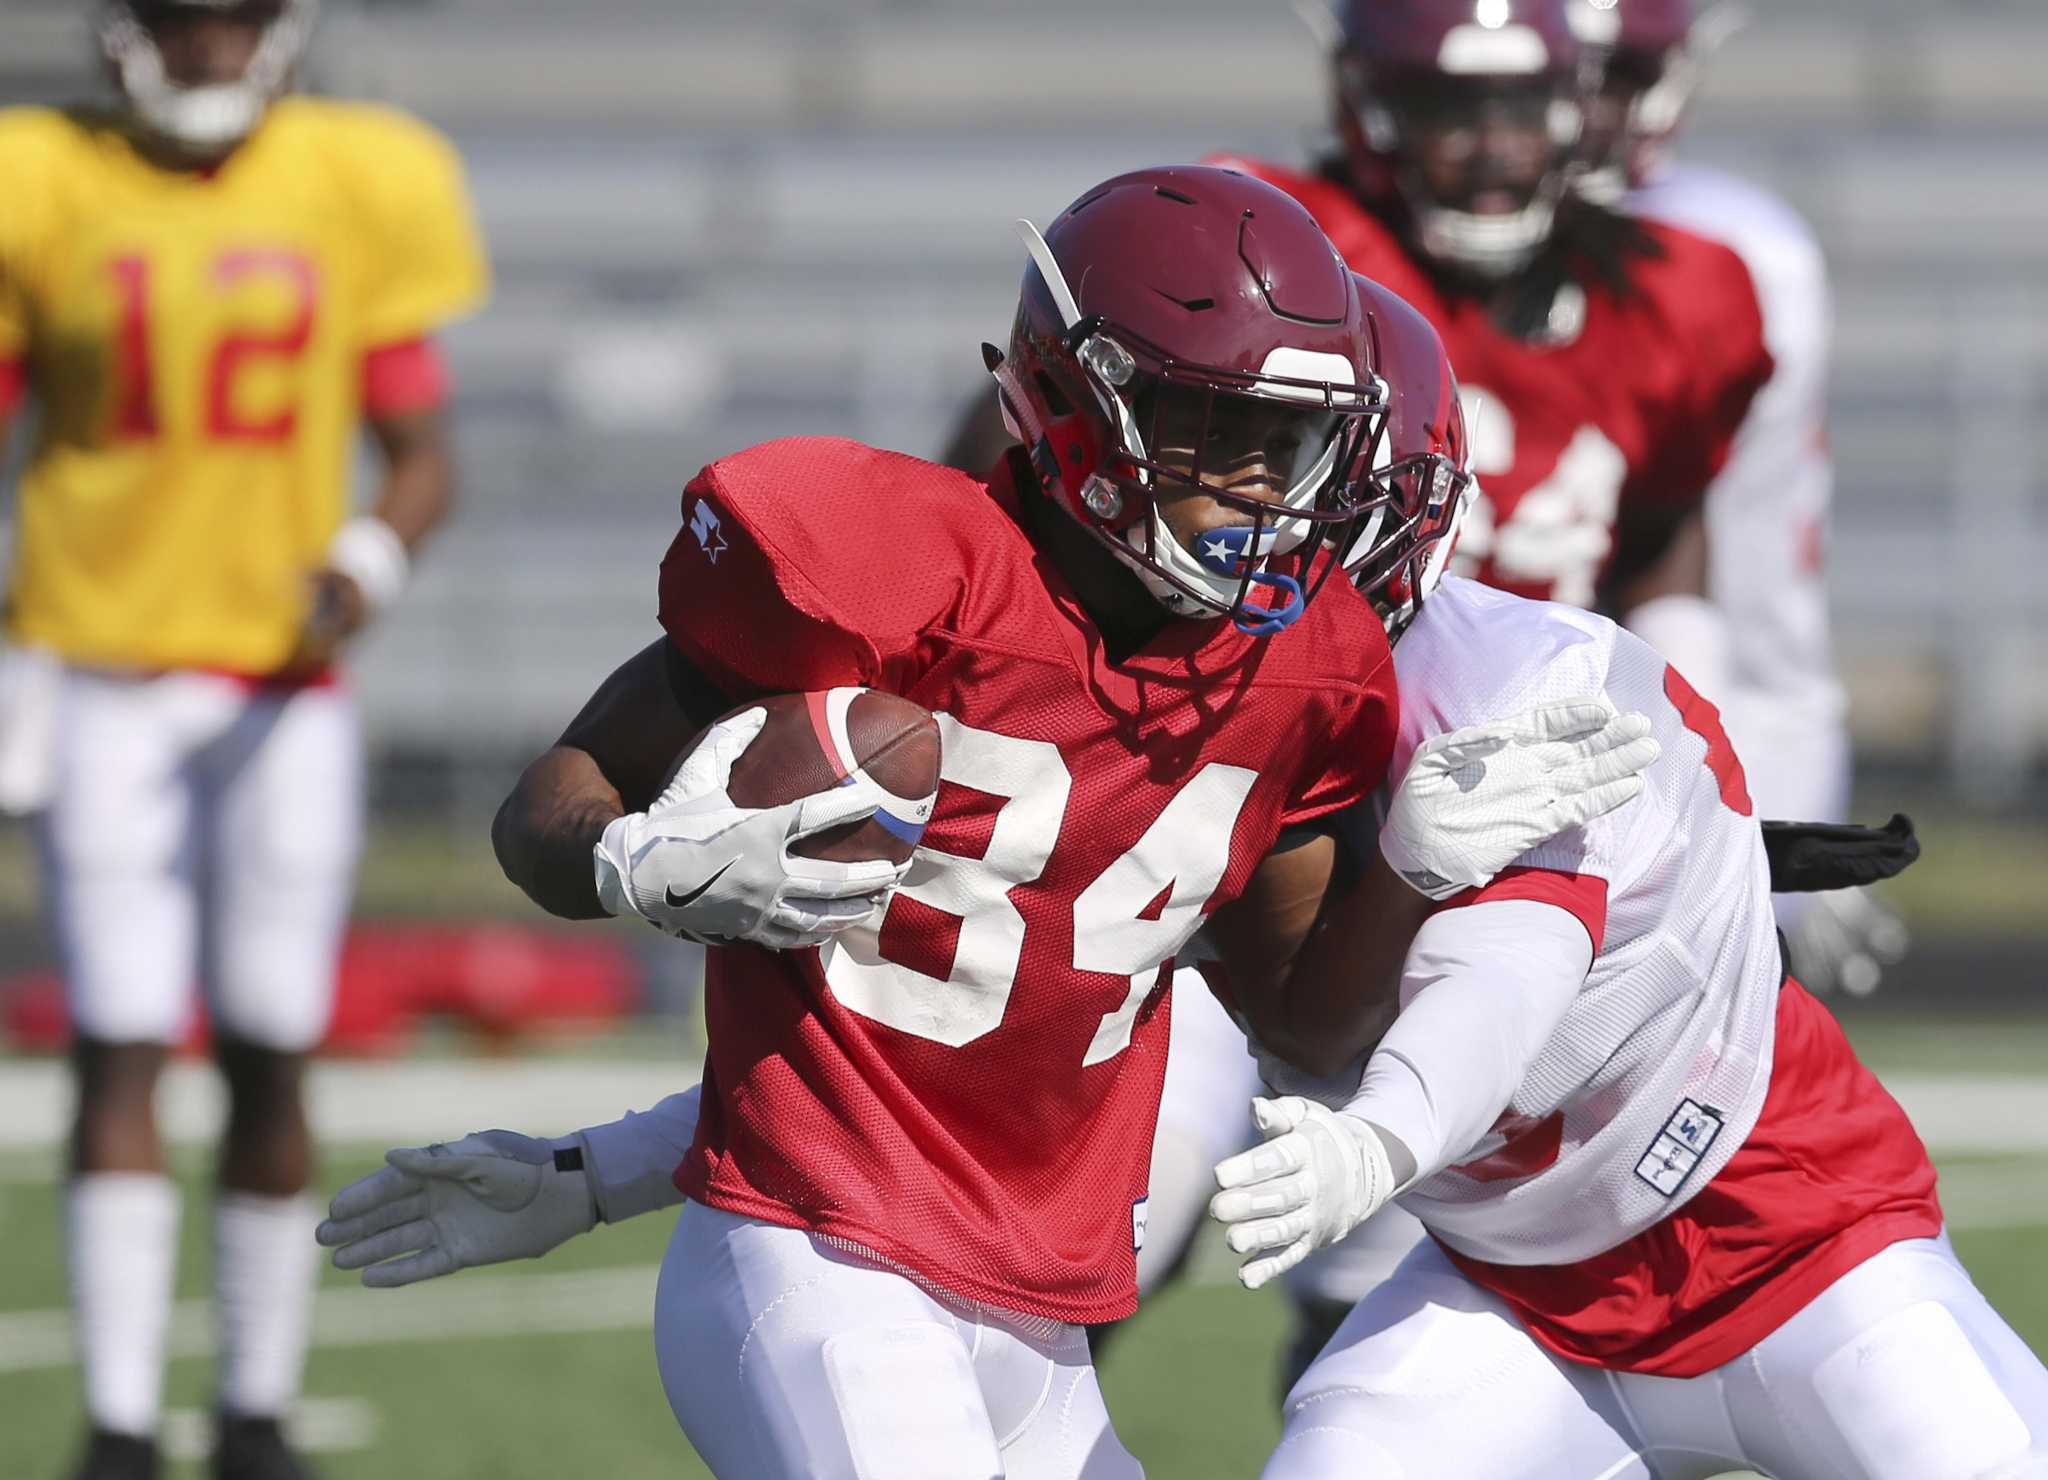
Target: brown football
{"x": 893, "y": 740}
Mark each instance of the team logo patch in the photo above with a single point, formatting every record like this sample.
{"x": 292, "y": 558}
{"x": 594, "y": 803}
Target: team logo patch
{"x": 704, "y": 525}
{"x": 1679, "y": 1146}
{"x": 1139, "y": 1210}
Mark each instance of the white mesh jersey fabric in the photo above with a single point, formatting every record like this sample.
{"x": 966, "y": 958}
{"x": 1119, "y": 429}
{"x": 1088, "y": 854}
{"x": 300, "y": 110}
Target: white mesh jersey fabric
{"x": 1678, "y": 1010}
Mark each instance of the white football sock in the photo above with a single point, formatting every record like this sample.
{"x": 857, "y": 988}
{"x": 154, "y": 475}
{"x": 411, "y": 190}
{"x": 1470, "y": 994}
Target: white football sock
{"x": 265, "y": 1268}
{"x": 121, "y": 1233}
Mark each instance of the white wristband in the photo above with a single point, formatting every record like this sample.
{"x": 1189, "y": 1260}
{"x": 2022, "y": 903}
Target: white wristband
{"x": 369, "y": 552}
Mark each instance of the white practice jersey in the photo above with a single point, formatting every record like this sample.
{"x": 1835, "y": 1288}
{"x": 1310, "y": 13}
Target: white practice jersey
{"x": 1767, "y": 512}
{"x": 1658, "y": 1070}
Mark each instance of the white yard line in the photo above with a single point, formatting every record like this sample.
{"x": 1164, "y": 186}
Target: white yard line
{"x": 464, "y": 1307}
{"x": 472, "y": 1306}
{"x": 317, "y": 1425}
{"x": 427, "y": 1099}
{"x": 410, "y": 1100}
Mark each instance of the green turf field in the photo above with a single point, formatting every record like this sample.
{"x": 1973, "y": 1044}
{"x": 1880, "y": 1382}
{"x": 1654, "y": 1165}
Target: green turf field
{"x": 494, "y": 1375}
{"x": 547, "y": 1371}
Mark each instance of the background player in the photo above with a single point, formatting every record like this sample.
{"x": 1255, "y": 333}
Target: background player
{"x": 922, "y": 1149}
{"x": 1607, "y": 364}
{"x": 1678, "y": 1228}
{"x": 1767, "y": 511}
{"x": 206, "y": 290}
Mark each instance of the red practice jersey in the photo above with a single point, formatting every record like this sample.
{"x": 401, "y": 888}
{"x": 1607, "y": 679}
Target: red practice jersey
{"x": 1641, "y": 404}
{"x": 969, "y": 1090}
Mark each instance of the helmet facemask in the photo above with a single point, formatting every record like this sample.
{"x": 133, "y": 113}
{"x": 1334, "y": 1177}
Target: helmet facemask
{"x": 203, "y": 120}
{"x": 1630, "y": 122}
{"x": 1399, "y": 556}
{"x": 1646, "y": 86}
{"x": 1480, "y": 162}
{"x": 1273, "y": 455}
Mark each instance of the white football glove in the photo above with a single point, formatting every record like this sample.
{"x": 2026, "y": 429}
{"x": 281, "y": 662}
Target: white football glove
{"x": 1842, "y": 940}
{"x": 1319, "y": 1175}
{"x": 697, "y": 865}
{"x": 432, "y": 1210}
{"x": 1477, "y": 799}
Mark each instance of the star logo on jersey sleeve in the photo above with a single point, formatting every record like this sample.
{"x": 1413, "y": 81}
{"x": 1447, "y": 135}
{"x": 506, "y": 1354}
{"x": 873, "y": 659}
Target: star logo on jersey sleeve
{"x": 704, "y": 525}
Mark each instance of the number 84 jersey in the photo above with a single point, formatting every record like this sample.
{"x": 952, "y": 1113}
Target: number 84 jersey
{"x": 1634, "y": 402}
{"x": 968, "y": 1089}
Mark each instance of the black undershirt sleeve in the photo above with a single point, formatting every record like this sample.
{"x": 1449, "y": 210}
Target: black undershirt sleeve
{"x": 698, "y": 698}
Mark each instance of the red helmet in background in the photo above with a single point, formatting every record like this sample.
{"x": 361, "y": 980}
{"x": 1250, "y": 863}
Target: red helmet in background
{"x": 208, "y": 119}
{"x": 1422, "y": 476}
{"x": 1177, "y": 327}
{"x": 1468, "y": 111}
{"x": 1653, "y": 53}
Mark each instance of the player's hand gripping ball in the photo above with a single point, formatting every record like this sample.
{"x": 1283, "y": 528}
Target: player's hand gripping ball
{"x": 787, "y": 822}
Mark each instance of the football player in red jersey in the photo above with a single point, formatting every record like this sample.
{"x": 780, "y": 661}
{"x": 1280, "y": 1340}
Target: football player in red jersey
{"x": 1606, "y": 362}
{"x": 920, "y": 1161}
{"x": 1677, "y": 1228}
{"x": 1767, "y": 511}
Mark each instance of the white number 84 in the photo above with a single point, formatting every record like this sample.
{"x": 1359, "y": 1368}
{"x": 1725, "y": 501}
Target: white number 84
{"x": 1559, "y": 532}
{"x": 1187, "y": 847}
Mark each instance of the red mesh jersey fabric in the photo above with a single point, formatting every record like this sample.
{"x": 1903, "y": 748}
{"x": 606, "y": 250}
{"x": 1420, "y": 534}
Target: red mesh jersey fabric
{"x": 1640, "y": 405}
{"x": 968, "y": 1091}
{"x": 1832, "y": 1173}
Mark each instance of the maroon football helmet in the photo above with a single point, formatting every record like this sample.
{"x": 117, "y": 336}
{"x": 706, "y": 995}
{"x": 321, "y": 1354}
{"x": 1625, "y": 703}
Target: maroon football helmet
{"x": 1468, "y": 111}
{"x": 1191, "y": 330}
{"x": 1422, "y": 478}
{"x": 1653, "y": 54}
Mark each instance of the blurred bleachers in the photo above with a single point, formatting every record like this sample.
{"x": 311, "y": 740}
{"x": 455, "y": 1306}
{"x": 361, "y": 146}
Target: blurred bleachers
{"x": 716, "y": 223}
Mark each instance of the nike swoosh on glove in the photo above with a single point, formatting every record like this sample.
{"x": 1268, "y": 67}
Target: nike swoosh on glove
{"x": 1477, "y": 799}
{"x": 431, "y": 1210}
{"x": 697, "y": 865}
{"x": 1319, "y": 1175}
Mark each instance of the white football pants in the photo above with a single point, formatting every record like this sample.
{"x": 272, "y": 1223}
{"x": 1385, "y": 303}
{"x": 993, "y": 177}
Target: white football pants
{"x": 1205, "y": 1116}
{"x": 1900, "y": 1370}
{"x": 201, "y": 832}
{"x": 789, "y": 1357}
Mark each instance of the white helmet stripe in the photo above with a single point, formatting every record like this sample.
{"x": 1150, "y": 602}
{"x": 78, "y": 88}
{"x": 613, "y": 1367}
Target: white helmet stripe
{"x": 1049, "y": 269}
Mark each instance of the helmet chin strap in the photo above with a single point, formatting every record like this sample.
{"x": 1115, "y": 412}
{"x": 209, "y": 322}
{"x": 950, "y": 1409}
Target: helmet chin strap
{"x": 1227, "y": 551}
{"x": 1188, "y": 569}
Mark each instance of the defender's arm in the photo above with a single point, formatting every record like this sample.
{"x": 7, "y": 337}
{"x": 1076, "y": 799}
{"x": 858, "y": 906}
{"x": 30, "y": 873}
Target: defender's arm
{"x": 1313, "y": 952}
{"x": 1486, "y": 987}
{"x": 1315, "y": 957}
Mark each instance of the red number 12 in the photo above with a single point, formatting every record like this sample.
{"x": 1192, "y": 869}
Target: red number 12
{"x": 135, "y": 414}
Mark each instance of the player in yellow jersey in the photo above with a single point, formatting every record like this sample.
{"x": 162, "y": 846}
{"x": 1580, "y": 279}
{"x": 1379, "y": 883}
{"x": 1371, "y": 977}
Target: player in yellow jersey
{"x": 209, "y": 290}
